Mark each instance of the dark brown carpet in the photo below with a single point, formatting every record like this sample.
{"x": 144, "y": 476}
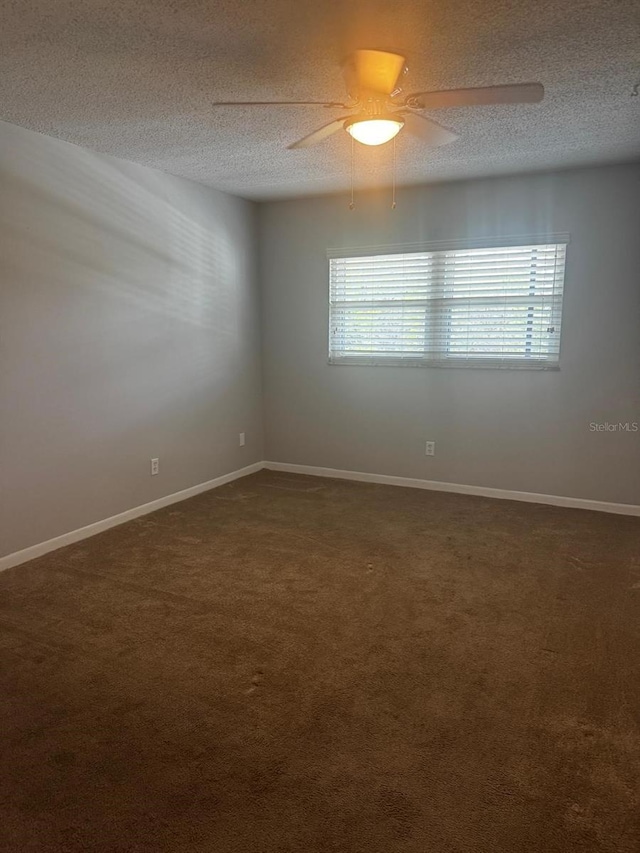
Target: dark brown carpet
{"x": 301, "y": 665}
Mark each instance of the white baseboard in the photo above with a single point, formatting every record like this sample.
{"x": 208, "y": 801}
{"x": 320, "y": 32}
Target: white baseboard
{"x": 41, "y": 548}
{"x": 437, "y": 486}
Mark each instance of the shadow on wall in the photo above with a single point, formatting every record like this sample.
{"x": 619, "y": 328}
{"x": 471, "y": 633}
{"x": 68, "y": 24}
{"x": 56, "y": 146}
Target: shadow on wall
{"x": 128, "y": 329}
{"x": 86, "y": 219}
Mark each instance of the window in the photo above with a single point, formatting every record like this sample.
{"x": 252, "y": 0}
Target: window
{"x": 495, "y": 306}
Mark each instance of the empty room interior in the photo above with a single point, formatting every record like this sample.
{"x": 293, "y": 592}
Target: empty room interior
{"x": 320, "y": 426}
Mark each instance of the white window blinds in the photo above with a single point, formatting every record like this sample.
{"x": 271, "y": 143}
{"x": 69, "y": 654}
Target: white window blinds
{"x": 470, "y": 307}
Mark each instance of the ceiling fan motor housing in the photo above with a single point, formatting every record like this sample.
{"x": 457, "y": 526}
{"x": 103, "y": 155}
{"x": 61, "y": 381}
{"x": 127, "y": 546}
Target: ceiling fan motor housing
{"x": 373, "y": 75}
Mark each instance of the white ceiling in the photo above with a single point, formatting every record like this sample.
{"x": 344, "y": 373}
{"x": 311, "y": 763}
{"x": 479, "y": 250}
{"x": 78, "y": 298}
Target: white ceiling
{"x": 136, "y": 79}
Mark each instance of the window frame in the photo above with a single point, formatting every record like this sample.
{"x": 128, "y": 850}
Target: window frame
{"x": 445, "y": 360}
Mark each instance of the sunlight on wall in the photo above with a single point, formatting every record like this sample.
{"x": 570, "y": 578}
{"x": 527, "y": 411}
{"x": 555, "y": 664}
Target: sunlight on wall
{"x": 130, "y": 329}
{"x": 94, "y": 215}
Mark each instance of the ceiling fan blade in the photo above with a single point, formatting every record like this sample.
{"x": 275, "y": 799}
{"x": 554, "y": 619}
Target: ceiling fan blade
{"x": 518, "y": 93}
{"x": 320, "y": 134}
{"x": 279, "y": 104}
{"x": 433, "y": 133}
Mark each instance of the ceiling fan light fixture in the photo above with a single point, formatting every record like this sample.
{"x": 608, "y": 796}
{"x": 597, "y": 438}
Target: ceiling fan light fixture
{"x": 375, "y": 130}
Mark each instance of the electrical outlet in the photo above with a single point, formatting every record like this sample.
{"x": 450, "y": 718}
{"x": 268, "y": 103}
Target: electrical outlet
{"x": 155, "y": 467}
{"x": 241, "y": 439}
{"x": 430, "y": 448}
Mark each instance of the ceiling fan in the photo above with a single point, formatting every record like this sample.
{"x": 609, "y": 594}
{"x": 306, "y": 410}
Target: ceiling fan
{"x": 378, "y": 111}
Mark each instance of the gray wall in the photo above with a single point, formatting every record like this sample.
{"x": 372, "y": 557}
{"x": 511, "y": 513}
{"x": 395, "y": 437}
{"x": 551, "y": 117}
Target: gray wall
{"x": 526, "y": 431}
{"x": 129, "y": 328}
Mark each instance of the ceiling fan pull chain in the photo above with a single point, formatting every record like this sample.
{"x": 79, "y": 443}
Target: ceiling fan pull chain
{"x": 352, "y": 203}
{"x": 393, "y": 177}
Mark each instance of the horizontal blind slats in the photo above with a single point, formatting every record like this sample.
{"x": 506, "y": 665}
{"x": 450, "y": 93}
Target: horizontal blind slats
{"x": 469, "y": 306}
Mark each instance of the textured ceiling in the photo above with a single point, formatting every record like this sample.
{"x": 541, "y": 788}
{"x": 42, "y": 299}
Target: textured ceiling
{"x": 135, "y": 79}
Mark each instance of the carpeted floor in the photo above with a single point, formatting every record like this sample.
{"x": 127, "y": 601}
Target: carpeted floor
{"x": 297, "y": 665}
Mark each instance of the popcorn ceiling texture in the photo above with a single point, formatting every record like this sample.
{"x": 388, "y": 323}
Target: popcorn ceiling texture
{"x": 136, "y": 80}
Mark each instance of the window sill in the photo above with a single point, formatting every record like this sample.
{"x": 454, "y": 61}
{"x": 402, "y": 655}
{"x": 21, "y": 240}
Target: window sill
{"x": 455, "y": 364}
